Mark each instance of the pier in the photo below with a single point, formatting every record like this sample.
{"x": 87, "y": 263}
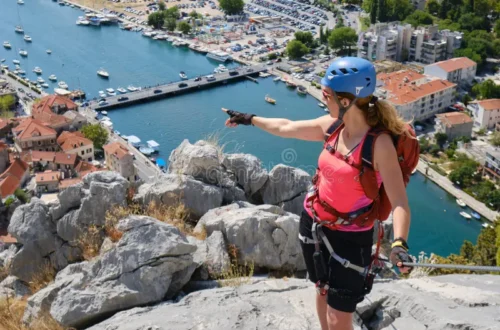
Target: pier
{"x": 183, "y": 86}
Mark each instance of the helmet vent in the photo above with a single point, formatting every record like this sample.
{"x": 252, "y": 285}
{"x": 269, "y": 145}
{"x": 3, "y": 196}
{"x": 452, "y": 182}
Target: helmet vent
{"x": 344, "y": 71}
{"x": 333, "y": 72}
{"x": 354, "y": 70}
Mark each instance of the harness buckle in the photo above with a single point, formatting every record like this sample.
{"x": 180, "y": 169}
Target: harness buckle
{"x": 346, "y": 263}
{"x": 322, "y": 288}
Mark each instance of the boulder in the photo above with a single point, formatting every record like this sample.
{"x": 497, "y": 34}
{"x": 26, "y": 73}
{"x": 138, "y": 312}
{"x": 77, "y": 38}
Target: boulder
{"x": 248, "y": 171}
{"x": 295, "y": 205}
{"x": 264, "y": 235}
{"x": 284, "y": 184}
{"x": 27, "y": 262}
{"x": 211, "y": 257}
{"x": 7, "y": 255}
{"x": 172, "y": 189}
{"x": 71, "y": 197}
{"x": 145, "y": 266}
{"x": 12, "y": 287}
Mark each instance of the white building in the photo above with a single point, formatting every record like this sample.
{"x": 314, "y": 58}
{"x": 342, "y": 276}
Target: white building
{"x": 486, "y": 113}
{"x": 414, "y": 95}
{"x": 76, "y": 143}
{"x": 459, "y": 70}
{"x": 429, "y": 45}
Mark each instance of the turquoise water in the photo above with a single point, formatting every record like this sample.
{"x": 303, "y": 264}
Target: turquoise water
{"x": 78, "y": 52}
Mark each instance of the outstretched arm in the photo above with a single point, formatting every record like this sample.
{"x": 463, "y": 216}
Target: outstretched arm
{"x": 309, "y": 130}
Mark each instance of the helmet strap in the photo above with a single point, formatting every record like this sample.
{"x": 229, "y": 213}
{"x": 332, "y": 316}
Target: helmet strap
{"x": 342, "y": 109}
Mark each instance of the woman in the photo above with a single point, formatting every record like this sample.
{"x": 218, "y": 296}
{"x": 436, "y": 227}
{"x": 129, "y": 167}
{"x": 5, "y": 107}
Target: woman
{"x": 347, "y": 89}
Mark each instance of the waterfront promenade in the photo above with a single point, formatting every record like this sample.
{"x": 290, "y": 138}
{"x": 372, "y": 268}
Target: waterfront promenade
{"x": 446, "y": 184}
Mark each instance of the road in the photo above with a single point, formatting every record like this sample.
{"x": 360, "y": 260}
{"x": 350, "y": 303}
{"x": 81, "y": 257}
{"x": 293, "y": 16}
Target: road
{"x": 27, "y": 105}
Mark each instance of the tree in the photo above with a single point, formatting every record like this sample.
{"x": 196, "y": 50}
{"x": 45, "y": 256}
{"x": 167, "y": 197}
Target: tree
{"x": 382, "y": 11}
{"x": 96, "y": 133}
{"x": 467, "y": 250}
{"x": 373, "y": 12}
{"x": 470, "y": 53}
{"x": 232, "y": 7}
{"x": 419, "y": 18}
{"x": 471, "y": 22}
{"x": 448, "y": 24}
{"x": 463, "y": 175}
{"x": 170, "y": 23}
{"x": 495, "y": 139}
{"x": 327, "y": 50}
{"x": 343, "y": 39}
{"x": 486, "y": 90}
{"x": 398, "y": 10}
{"x": 22, "y": 196}
{"x": 161, "y": 6}
{"x": 441, "y": 139}
{"x": 466, "y": 99}
{"x": 156, "y": 19}
{"x": 296, "y": 49}
{"x": 444, "y": 9}
{"x": 432, "y": 7}
{"x": 6, "y": 102}
{"x": 184, "y": 27}
{"x": 485, "y": 251}
{"x": 194, "y": 14}
{"x": 305, "y": 37}
{"x": 497, "y": 28}
{"x": 172, "y": 12}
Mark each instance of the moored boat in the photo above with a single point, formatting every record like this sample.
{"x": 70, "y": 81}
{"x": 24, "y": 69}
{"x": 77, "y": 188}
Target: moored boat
{"x": 302, "y": 90}
{"x": 219, "y": 56}
{"x": 153, "y": 145}
{"x": 102, "y": 94}
{"x": 110, "y": 91}
{"x": 52, "y": 77}
{"x": 146, "y": 150}
{"x": 62, "y": 85}
{"x": 132, "y": 88}
{"x": 19, "y": 29}
{"x": 49, "y": 51}
{"x": 7, "y": 45}
{"x": 476, "y": 215}
{"x": 276, "y": 79}
{"x": 37, "y": 70}
{"x": 321, "y": 105}
{"x": 461, "y": 202}
{"x": 465, "y": 215}
{"x": 16, "y": 61}
{"x": 27, "y": 38}
{"x": 270, "y": 100}
{"x": 103, "y": 73}
{"x": 121, "y": 90}
{"x": 182, "y": 74}
{"x": 20, "y": 2}
{"x": 23, "y": 53}
{"x": 290, "y": 84}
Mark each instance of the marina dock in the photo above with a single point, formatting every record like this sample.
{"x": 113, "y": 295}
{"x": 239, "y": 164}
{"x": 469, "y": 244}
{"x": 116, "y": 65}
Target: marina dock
{"x": 183, "y": 86}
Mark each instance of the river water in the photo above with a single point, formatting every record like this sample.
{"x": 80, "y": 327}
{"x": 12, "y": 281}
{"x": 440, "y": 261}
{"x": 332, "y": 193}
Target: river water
{"x": 78, "y": 52}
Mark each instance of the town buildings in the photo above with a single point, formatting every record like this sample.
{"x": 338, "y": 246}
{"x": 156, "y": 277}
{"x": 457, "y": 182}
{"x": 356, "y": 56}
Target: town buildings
{"x": 33, "y": 134}
{"x": 121, "y": 160}
{"x": 492, "y": 163}
{"x": 76, "y": 143}
{"x": 454, "y": 124}
{"x": 486, "y": 113}
{"x": 459, "y": 70}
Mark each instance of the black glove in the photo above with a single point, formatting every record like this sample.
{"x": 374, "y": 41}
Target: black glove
{"x": 240, "y": 118}
{"x": 399, "y": 253}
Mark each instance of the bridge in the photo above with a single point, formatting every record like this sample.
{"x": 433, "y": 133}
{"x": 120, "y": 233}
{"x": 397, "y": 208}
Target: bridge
{"x": 176, "y": 88}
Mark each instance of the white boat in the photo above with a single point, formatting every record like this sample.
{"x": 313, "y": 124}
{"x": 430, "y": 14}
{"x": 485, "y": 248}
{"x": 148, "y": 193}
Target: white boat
{"x": 102, "y": 94}
{"x": 40, "y": 80}
{"x": 146, "y": 150}
{"x": 485, "y": 225}
{"x": 277, "y": 79}
{"x": 38, "y": 86}
{"x": 16, "y": 61}
{"x": 27, "y": 38}
{"x": 110, "y": 91}
{"x": 83, "y": 22}
{"x": 2, "y": 60}
{"x": 132, "y": 88}
{"x": 153, "y": 145}
{"x": 103, "y": 73}
{"x": 7, "y": 45}
{"x": 134, "y": 140}
{"x": 49, "y": 51}
{"x": 60, "y": 91}
{"x": 45, "y": 85}
{"x": 321, "y": 105}
{"x": 104, "y": 113}
{"x": 4, "y": 66}
{"x": 63, "y": 85}
{"x": 52, "y": 77}
{"x": 37, "y": 70}
{"x": 19, "y": 29}
{"x": 182, "y": 74}
{"x": 121, "y": 90}
{"x": 107, "y": 123}
{"x": 20, "y": 2}
{"x": 461, "y": 202}
{"x": 23, "y": 53}
{"x": 465, "y": 215}
{"x": 21, "y": 72}
{"x": 219, "y": 56}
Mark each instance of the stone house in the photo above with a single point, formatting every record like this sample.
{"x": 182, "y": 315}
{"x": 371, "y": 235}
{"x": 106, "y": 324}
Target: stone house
{"x": 32, "y": 134}
{"x": 120, "y": 159}
{"x": 76, "y": 143}
{"x": 454, "y": 124}
{"x": 47, "y": 181}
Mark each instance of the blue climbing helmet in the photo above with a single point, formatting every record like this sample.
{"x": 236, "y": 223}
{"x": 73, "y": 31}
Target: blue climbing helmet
{"x": 351, "y": 75}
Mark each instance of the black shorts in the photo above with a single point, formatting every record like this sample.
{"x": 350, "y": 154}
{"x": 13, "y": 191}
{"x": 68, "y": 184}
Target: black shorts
{"x": 346, "y": 284}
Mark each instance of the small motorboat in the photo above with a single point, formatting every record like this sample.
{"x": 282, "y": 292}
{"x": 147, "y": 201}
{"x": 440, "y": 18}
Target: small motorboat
{"x": 465, "y": 215}
{"x": 45, "y": 85}
{"x": 132, "y": 88}
{"x": 301, "y": 90}
{"x": 37, "y": 70}
{"x": 27, "y": 38}
{"x": 103, "y": 73}
{"x": 485, "y": 225}
{"x": 2, "y": 60}
{"x": 121, "y": 90}
{"x": 22, "y": 52}
{"x": 40, "y": 80}
{"x": 476, "y": 215}
{"x": 16, "y": 62}
{"x": 20, "y": 2}
{"x": 110, "y": 91}
{"x": 277, "y": 79}
{"x": 270, "y": 100}
{"x": 461, "y": 202}
{"x": 4, "y": 66}
{"x": 7, "y": 45}
{"x": 19, "y": 29}
{"x": 102, "y": 94}
{"x": 321, "y": 105}
{"x": 49, "y": 51}
{"x": 290, "y": 84}
{"x": 182, "y": 74}
{"x": 414, "y": 171}
{"x": 21, "y": 72}
{"x": 146, "y": 150}
{"x": 52, "y": 77}
{"x": 63, "y": 85}
{"x": 104, "y": 113}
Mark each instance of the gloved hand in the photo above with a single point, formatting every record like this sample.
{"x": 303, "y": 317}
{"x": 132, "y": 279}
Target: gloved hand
{"x": 399, "y": 255}
{"x": 238, "y": 118}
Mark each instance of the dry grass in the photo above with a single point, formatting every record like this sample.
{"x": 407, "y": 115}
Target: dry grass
{"x": 4, "y": 272}
{"x": 237, "y": 274}
{"x": 43, "y": 277}
{"x": 90, "y": 242}
{"x": 11, "y": 315}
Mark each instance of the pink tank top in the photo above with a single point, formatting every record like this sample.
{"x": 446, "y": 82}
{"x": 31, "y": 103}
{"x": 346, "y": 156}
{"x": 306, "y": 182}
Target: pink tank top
{"x": 338, "y": 185}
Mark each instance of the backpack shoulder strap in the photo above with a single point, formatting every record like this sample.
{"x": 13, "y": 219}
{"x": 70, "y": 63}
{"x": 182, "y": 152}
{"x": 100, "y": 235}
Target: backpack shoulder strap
{"x": 368, "y": 147}
{"x": 336, "y": 125}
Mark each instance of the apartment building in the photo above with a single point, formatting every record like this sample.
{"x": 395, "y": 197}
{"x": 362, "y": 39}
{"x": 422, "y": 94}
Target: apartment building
{"x": 121, "y": 160}
{"x": 414, "y": 95}
{"x": 486, "y": 113}
{"x": 492, "y": 162}
{"x": 429, "y": 45}
{"x": 32, "y": 134}
{"x": 459, "y": 70}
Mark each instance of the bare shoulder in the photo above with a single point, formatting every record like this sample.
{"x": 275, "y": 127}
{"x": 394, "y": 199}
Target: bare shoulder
{"x": 325, "y": 122}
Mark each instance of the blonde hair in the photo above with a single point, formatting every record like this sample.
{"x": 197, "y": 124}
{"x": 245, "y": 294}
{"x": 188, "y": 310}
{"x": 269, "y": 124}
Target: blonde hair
{"x": 382, "y": 113}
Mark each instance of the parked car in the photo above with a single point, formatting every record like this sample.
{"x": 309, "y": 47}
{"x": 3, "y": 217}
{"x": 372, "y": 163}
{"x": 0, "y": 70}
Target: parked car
{"x": 123, "y": 98}
{"x": 182, "y": 85}
{"x": 233, "y": 73}
{"x": 157, "y": 91}
{"x": 102, "y": 103}
{"x": 197, "y": 79}
{"x": 210, "y": 78}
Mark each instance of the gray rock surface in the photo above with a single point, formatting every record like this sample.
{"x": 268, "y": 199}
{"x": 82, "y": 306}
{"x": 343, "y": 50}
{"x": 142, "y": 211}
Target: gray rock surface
{"x": 438, "y": 303}
{"x": 147, "y": 265}
{"x": 295, "y": 205}
{"x": 12, "y": 287}
{"x": 264, "y": 235}
{"x": 285, "y": 183}
{"x": 248, "y": 171}
{"x": 7, "y": 255}
{"x": 211, "y": 257}
{"x": 170, "y": 189}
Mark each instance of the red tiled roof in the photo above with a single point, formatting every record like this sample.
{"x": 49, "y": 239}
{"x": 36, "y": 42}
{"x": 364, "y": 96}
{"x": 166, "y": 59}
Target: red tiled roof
{"x": 30, "y": 127}
{"x": 17, "y": 168}
{"x": 47, "y": 102}
{"x": 37, "y": 156}
{"x": 65, "y": 159}
{"x": 48, "y": 176}
{"x": 8, "y": 239}
{"x": 490, "y": 104}
{"x": 69, "y": 141}
{"x": 8, "y": 185}
{"x": 117, "y": 149}
{"x": 455, "y": 64}
{"x": 23, "y": 155}
{"x": 84, "y": 166}
{"x": 454, "y": 118}
{"x": 69, "y": 182}
{"x": 3, "y": 146}
{"x": 3, "y": 123}
{"x": 393, "y": 80}
{"x": 51, "y": 119}
{"x": 408, "y": 94}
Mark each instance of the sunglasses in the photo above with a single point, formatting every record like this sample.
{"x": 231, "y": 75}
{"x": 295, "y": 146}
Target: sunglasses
{"x": 326, "y": 95}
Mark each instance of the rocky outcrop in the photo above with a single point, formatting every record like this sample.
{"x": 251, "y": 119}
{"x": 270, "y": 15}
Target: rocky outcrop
{"x": 211, "y": 257}
{"x": 12, "y": 287}
{"x": 264, "y": 235}
{"x": 147, "y": 265}
{"x": 247, "y": 170}
{"x": 437, "y": 303}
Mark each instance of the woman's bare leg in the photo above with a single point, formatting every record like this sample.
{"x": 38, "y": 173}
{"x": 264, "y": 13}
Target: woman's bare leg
{"x": 321, "y": 309}
{"x": 338, "y": 320}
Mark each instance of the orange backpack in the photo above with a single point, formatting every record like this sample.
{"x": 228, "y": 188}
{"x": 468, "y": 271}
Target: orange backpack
{"x": 408, "y": 151}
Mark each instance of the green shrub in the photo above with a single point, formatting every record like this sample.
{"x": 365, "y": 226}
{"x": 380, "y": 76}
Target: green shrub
{"x": 22, "y": 196}
{"x": 9, "y": 201}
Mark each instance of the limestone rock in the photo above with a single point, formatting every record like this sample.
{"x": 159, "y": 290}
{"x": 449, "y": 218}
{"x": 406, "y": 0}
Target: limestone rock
{"x": 211, "y": 257}
{"x": 264, "y": 235}
{"x": 248, "y": 171}
{"x": 71, "y": 197}
{"x": 27, "y": 262}
{"x": 13, "y": 287}
{"x": 172, "y": 189}
{"x": 295, "y": 205}
{"x": 7, "y": 255}
{"x": 285, "y": 183}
